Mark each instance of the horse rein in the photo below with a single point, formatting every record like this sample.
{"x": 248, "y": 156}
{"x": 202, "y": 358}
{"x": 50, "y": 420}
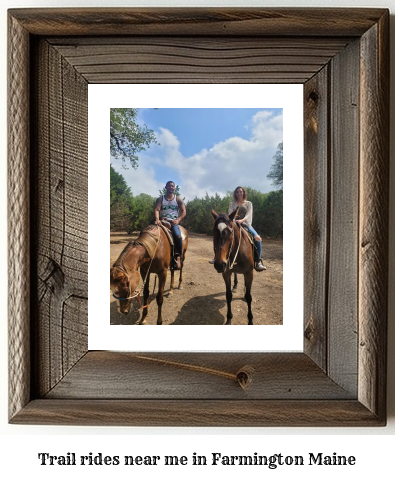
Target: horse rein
{"x": 231, "y": 247}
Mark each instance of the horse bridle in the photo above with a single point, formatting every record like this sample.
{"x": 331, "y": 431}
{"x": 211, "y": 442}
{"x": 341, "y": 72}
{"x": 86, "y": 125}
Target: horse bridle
{"x": 230, "y": 267}
{"x": 136, "y": 293}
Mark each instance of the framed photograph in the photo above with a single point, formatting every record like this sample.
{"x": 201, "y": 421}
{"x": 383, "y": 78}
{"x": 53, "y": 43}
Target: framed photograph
{"x": 341, "y": 59}
{"x": 209, "y": 136}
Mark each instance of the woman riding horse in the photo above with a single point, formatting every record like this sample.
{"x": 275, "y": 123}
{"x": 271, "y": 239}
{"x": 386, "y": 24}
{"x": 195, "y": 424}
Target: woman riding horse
{"x": 233, "y": 253}
{"x": 244, "y": 216}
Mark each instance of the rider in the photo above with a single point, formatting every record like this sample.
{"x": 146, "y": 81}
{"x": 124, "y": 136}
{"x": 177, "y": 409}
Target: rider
{"x": 244, "y": 215}
{"x": 168, "y": 207}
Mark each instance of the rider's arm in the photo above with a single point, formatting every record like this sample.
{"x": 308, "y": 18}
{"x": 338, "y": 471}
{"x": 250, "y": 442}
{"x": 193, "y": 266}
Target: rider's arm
{"x": 232, "y": 207}
{"x": 248, "y": 216}
{"x": 182, "y": 209}
{"x": 157, "y": 209}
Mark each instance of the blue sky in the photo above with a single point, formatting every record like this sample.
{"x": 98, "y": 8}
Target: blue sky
{"x": 206, "y": 150}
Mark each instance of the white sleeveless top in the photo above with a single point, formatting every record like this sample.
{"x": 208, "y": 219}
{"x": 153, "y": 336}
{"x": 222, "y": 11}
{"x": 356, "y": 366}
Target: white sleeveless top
{"x": 169, "y": 209}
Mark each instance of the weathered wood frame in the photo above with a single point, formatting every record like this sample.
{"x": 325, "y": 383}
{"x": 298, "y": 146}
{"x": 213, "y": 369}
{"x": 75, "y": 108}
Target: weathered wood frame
{"x": 342, "y": 58}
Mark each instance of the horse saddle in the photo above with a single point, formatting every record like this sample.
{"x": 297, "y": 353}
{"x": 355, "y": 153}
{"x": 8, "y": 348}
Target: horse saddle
{"x": 250, "y": 237}
{"x": 166, "y": 226}
{"x": 248, "y": 233}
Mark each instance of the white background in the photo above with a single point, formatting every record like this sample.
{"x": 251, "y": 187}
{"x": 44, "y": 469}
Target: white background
{"x": 21, "y": 444}
{"x": 102, "y": 335}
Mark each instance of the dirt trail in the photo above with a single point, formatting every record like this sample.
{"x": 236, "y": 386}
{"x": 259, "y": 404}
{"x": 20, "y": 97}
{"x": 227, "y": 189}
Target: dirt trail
{"x": 202, "y": 300}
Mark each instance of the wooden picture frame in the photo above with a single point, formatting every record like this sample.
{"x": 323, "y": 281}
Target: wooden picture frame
{"x": 342, "y": 58}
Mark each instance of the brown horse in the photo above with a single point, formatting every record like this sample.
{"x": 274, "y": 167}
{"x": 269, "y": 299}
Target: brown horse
{"x": 151, "y": 253}
{"x": 233, "y": 253}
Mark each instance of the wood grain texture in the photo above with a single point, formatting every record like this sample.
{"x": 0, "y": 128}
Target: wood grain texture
{"x": 204, "y": 375}
{"x": 343, "y": 221}
{"x": 18, "y": 218}
{"x": 195, "y": 59}
{"x": 373, "y": 234}
{"x": 316, "y": 214}
{"x": 61, "y": 199}
{"x": 335, "y": 381}
{"x": 202, "y": 413}
{"x": 261, "y": 22}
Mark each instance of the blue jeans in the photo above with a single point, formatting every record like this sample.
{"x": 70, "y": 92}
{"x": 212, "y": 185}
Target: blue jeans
{"x": 258, "y": 244}
{"x": 175, "y": 229}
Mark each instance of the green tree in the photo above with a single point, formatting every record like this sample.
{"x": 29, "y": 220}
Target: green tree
{"x": 120, "y": 202}
{"x": 127, "y": 138}
{"x": 272, "y": 214}
{"x": 267, "y": 212}
{"x": 276, "y": 170}
{"x": 176, "y": 192}
{"x": 198, "y": 218}
{"x": 127, "y": 212}
{"x": 143, "y": 212}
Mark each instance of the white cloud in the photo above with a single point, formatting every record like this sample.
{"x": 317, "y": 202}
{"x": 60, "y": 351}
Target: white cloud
{"x": 228, "y": 164}
{"x": 234, "y": 162}
{"x": 141, "y": 180}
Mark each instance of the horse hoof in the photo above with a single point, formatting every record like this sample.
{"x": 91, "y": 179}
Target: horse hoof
{"x": 180, "y": 287}
{"x": 170, "y": 293}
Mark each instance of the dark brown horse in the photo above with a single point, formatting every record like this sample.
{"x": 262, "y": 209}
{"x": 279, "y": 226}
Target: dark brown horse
{"x": 233, "y": 253}
{"x": 151, "y": 253}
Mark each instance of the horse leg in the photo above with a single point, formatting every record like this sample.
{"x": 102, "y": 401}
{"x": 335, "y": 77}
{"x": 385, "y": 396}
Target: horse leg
{"x": 235, "y": 282}
{"x": 146, "y": 295}
{"x": 248, "y": 283}
{"x": 171, "y": 283}
{"x": 182, "y": 267}
{"x": 159, "y": 297}
{"x": 228, "y": 282}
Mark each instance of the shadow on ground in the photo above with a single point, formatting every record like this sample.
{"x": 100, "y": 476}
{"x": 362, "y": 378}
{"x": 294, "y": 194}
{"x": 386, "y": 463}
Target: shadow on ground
{"x": 200, "y": 310}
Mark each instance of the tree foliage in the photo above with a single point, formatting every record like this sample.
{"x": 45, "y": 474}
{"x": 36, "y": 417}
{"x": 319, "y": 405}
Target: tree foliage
{"x": 276, "y": 170}
{"x": 127, "y": 138}
{"x": 267, "y": 212}
{"x": 127, "y": 212}
{"x": 198, "y": 218}
{"x": 133, "y": 213}
{"x": 163, "y": 191}
{"x": 120, "y": 201}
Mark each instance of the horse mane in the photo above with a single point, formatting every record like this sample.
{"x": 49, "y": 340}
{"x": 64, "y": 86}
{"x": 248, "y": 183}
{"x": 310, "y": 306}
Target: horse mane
{"x": 126, "y": 249}
{"x": 145, "y": 239}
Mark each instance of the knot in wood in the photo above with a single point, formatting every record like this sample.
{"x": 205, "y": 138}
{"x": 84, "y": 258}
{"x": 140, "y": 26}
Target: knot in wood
{"x": 244, "y": 376}
{"x": 309, "y": 331}
{"x": 313, "y": 96}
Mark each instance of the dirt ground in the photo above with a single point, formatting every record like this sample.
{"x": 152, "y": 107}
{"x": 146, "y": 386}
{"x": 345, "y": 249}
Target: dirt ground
{"x": 202, "y": 300}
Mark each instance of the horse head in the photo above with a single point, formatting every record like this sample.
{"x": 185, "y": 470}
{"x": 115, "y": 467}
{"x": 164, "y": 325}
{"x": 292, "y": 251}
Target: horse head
{"x": 223, "y": 238}
{"x": 123, "y": 286}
